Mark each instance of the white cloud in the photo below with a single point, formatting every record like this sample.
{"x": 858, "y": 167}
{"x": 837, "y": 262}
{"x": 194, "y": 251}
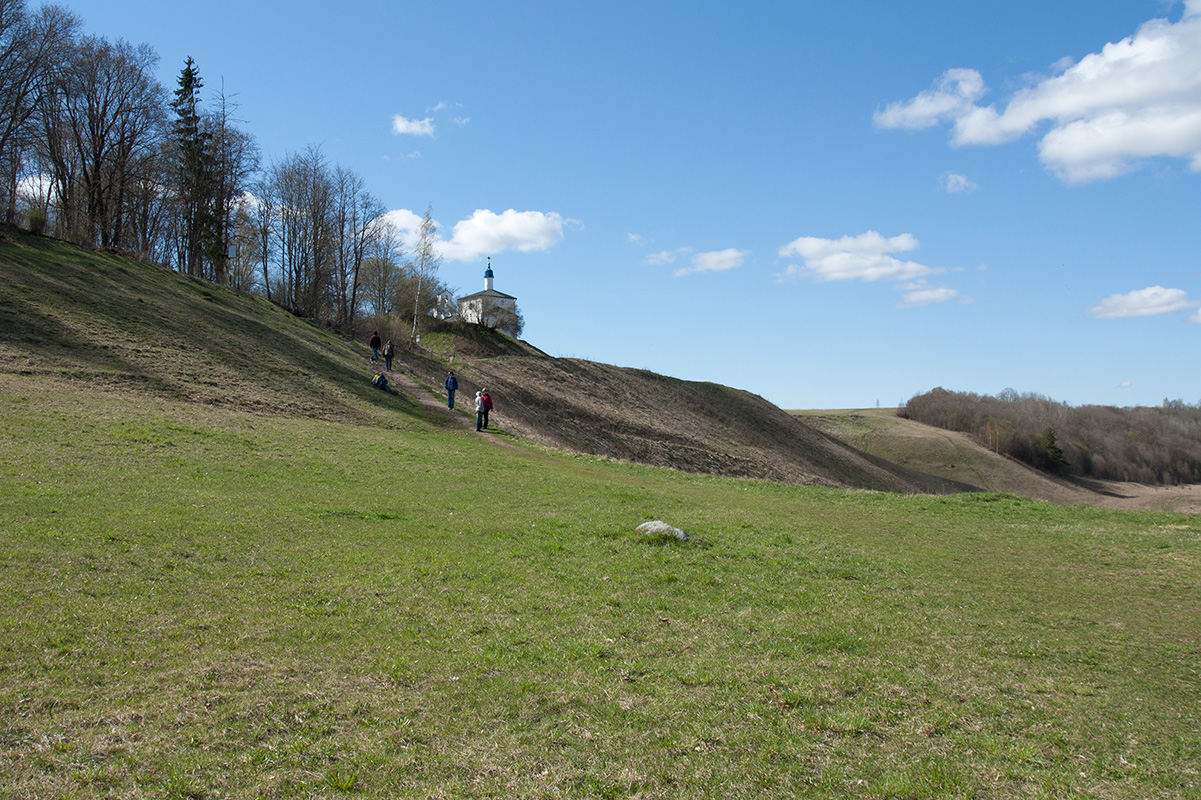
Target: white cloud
{"x": 1136, "y": 99}
{"x": 486, "y": 232}
{"x": 403, "y": 126}
{"x": 953, "y": 182}
{"x": 667, "y": 256}
{"x": 405, "y": 221}
{"x": 919, "y": 294}
{"x": 954, "y": 95}
{"x": 1195, "y": 319}
{"x": 715, "y": 261}
{"x": 1143, "y": 303}
{"x": 635, "y": 239}
{"x": 1125, "y": 385}
{"x": 855, "y": 258}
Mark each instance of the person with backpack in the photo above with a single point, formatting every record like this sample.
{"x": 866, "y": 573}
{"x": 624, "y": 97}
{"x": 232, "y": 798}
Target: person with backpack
{"x": 486, "y": 400}
{"x": 389, "y": 351}
{"x": 452, "y": 383}
{"x": 374, "y": 341}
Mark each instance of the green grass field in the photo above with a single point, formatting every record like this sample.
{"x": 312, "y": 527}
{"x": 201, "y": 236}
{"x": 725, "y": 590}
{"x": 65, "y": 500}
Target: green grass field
{"x": 232, "y": 569}
{"x": 202, "y": 603}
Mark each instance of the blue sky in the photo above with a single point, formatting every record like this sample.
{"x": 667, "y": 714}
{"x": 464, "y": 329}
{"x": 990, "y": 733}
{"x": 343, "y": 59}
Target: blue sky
{"x": 833, "y": 204}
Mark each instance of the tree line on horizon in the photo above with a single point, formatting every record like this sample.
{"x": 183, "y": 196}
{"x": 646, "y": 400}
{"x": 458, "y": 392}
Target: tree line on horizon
{"x": 94, "y": 150}
{"x": 1149, "y": 445}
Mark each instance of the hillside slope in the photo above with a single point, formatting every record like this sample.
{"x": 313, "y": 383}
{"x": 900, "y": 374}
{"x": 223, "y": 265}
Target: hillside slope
{"x": 955, "y": 456}
{"x": 637, "y": 415}
{"x": 120, "y": 325}
{"x": 113, "y": 324}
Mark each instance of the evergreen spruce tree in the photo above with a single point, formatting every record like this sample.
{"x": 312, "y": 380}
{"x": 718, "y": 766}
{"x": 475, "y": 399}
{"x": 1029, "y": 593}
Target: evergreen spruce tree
{"x": 193, "y": 170}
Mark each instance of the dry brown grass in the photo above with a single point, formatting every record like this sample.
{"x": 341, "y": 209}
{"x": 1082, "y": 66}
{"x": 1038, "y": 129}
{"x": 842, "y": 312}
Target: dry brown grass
{"x": 955, "y": 456}
{"x": 639, "y": 416}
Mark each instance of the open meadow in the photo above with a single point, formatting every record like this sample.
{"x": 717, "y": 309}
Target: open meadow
{"x": 205, "y": 603}
{"x": 233, "y": 569}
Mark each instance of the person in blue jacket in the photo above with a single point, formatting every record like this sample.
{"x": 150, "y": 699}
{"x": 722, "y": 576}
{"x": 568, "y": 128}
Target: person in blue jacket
{"x": 452, "y": 383}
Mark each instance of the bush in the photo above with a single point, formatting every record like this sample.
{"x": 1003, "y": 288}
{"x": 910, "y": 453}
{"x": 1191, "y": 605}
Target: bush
{"x": 35, "y": 221}
{"x": 1142, "y": 444}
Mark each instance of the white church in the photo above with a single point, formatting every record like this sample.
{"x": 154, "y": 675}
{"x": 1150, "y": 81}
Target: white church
{"x": 484, "y": 308}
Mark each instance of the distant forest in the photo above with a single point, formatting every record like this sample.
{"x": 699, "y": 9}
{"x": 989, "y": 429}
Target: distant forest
{"x": 1150, "y": 445}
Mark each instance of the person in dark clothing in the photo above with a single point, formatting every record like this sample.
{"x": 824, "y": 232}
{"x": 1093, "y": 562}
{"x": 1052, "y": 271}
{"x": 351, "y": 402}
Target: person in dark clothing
{"x": 452, "y": 383}
{"x": 374, "y": 342}
{"x": 487, "y": 403}
{"x": 389, "y": 351}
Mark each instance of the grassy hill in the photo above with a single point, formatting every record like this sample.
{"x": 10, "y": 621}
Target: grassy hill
{"x": 229, "y": 572}
{"x": 107, "y": 322}
{"x": 955, "y": 456}
{"x": 637, "y": 415}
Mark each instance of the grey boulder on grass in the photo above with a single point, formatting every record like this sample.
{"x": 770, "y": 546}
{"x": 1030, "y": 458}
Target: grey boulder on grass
{"x": 657, "y": 526}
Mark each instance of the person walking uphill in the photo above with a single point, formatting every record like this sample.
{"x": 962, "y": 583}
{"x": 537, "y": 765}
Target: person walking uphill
{"x": 374, "y": 341}
{"x": 452, "y": 383}
{"x": 486, "y": 399}
{"x": 389, "y": 351}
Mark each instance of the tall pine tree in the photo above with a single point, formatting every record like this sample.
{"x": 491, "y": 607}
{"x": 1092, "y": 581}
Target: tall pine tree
{"x": 193, "y": 171}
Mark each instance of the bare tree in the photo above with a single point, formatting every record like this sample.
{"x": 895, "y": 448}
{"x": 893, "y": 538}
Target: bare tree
{"x": 245, "y": 260}
{"x": 264, "y": 216}
{"x": 425, "y": 263}
{"x": 33, "y": 48}
{"x": 304, "y": 190}
{"x": 380, "y": 275}
{"x": 356, "y": 213}
{"x": 108, "y": 121}
{"x": 503, "y": 317}
{"x": 234, "y": 159}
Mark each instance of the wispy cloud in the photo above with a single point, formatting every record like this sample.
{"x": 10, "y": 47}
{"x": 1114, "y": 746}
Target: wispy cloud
{"x": 446, "y": 105}
{"x": 1136, "y": 99}
{"x": 953, "y": 183}
{"x": 404, "y": 156}
{"x": 715, "y": 261}
{"x": 919, "y": 294}
{"x": 664, "y": 257}
{"x": 1149, "y": 302}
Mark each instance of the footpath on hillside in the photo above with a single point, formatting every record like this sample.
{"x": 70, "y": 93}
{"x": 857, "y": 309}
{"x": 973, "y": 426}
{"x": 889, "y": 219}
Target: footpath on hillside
{"x": 433, "y": 403}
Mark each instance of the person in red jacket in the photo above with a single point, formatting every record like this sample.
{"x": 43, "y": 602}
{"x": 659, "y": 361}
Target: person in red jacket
{"x": 486, "y": 402}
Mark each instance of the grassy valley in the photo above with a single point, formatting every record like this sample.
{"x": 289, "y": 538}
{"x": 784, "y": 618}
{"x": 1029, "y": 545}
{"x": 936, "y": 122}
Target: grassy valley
{"x": 235, "y": 569}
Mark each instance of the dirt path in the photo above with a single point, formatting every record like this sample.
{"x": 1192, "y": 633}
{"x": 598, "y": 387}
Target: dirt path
{"x": 435, "y": 404}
